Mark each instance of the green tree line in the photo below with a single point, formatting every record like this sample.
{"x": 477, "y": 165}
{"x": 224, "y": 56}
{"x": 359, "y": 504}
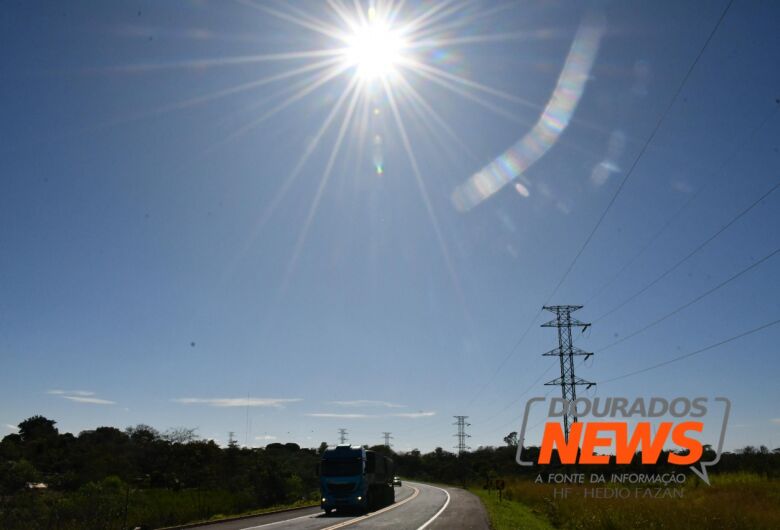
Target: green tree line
{"x": 485, "y": 463}
{"x": 112, "y": 479}
{"x": 139, "y": 477}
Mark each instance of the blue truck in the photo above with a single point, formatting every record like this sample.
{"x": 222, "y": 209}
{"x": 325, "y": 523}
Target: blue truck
{"x": 354, "y": 478}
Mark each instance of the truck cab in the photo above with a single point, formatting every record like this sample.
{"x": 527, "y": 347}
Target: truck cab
{"x": 352, "y": 477}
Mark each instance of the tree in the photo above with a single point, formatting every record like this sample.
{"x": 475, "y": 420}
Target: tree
{"x": 37, "y": 428}
{"x": 142, "y": 434}
{"x": 14, "y": 476}
{"x": 511, "y": 439}
{"x": 180, "y": 435}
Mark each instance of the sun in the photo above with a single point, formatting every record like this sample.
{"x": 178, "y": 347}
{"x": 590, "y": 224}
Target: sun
{"x": 374, "y": 49}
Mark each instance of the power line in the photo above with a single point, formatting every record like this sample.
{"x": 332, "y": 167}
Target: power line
{"x": 342, "y": 436}
{"x": 387, "y": 437}
{"x": 691, "y": 354}
{"x": 518, "y": 398}
{"x": 692, "y": 253}
{"x": 628, "y": 174}
{"x": 691, "y": 302}
{"x": 518, "y": 418}
{"x": 509, "y": 355}
{"x": 654, "y": 323}
{"x": 746, "y": 141}
{"x": 688, "y": 304}
{"x": 642, "y": 151}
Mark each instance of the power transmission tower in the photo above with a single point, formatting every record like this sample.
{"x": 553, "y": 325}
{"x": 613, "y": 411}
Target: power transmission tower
{"x": 387, "y": 439}
{"x": 566, "y": 352}
{"x": 461, "y": 434}
{"x": 342, "y": 436}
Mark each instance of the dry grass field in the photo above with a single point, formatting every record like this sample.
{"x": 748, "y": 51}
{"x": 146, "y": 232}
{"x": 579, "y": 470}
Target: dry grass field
{"x": 734, "y": 501}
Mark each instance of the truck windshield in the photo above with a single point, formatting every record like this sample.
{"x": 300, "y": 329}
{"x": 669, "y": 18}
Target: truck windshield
{"x": 341, "y": 468}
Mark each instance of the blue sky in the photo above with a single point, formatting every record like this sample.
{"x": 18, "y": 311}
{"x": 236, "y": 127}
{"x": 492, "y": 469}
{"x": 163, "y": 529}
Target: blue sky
{"x": 145, "y": 276}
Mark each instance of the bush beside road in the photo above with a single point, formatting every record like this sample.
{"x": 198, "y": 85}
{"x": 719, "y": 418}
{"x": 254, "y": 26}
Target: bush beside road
{"x": 735, "y": 501}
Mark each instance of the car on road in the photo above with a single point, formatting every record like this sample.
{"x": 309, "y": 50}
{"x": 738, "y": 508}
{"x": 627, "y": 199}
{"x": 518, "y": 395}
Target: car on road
{"x": 396, "y": 481}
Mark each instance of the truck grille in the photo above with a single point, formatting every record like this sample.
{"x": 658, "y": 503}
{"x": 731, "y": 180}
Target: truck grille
{"x": 341, "y": 488}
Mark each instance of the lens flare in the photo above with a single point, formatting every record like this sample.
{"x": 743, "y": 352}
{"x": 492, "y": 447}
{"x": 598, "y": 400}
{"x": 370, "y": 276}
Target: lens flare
{"x": 379, "y": 48}
{"x": 554, "y": 119}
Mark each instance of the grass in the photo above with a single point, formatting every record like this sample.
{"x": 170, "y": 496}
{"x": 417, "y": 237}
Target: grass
{"x": 107, "y": 508}
{"x": 509, "y": 515}
{"x": 734, "y": 501}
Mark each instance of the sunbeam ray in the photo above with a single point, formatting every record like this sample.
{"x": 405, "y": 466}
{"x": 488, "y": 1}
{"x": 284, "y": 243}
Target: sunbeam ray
{"x": 362, "y": 132}
{"x": 342, "y": 13}
{"x": 220, "y": 61}
{"x": 206, "y": 98}
{"x": 307, "y": 89}
{"x": 470, "y": 84}
{"x": 438, "y": 29}
{"x": 290, "y": 179}
{"x": 419, "y": 100}
{"x": 426, "y": 199}
{"x": 392, "y": 14}
{"x": 355, "y": 92}
{"x": 303, "y": 20}
{"x": 435, "y": 13}
{"x": 469, "y": 95}
{"x": 536, "y": 35}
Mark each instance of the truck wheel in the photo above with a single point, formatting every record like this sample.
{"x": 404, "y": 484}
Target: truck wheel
{"x": 328, "y": 511}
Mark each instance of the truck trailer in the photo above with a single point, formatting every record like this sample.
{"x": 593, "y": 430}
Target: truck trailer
{"x": 354, "y": 478}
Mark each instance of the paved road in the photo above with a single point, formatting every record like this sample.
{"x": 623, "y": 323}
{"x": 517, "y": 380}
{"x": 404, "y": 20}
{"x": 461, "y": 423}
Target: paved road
{"x": 418, "y": 506}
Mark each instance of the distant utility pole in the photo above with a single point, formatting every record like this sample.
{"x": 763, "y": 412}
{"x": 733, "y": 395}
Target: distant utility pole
{"x": 342, "y": 436}
{"x": 566, "y": 352}
{"x": 461, "y": 434}
{"x": 388, "y": 437}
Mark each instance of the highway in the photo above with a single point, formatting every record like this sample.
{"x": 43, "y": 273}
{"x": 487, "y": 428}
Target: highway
{"x": 417, "y": 507}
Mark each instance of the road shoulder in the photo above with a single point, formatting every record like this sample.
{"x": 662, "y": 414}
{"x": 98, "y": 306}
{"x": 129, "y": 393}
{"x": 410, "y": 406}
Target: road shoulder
{"x": 465, "y": 511}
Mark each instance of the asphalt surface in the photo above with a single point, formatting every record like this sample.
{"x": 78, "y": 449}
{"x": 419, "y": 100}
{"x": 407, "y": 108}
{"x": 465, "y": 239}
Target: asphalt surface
{"x": 417, "y": 506}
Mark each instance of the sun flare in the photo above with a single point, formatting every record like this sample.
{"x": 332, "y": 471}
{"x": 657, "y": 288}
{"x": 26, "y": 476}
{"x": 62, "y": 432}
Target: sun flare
{"x": 374, "y": 49}
{"x": 383, "y": 65}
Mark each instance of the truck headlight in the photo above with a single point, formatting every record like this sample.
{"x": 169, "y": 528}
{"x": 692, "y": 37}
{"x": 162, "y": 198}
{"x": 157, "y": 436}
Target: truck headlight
{"x": 360, "y": 498}
{"x": 324, "y": 499}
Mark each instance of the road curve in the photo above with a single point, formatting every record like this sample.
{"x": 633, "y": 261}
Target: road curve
{"x": 418, "y": 507}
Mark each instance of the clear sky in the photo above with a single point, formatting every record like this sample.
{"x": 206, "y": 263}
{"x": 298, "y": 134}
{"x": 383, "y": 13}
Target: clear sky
{"x": 210, "y": 218}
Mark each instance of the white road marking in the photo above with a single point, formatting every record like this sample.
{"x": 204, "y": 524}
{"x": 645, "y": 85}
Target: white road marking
{"x": 437, "y": 514}
{"x": 279, "y": 522}
{"x": 383, "y": 510}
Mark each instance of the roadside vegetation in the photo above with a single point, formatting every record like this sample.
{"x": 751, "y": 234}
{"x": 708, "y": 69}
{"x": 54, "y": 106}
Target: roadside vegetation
{"x": 745, "y": 491}
{"x": 115, "y": 479}
{"x": 734, "y": 501}
{"x": 505, "y": 514}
